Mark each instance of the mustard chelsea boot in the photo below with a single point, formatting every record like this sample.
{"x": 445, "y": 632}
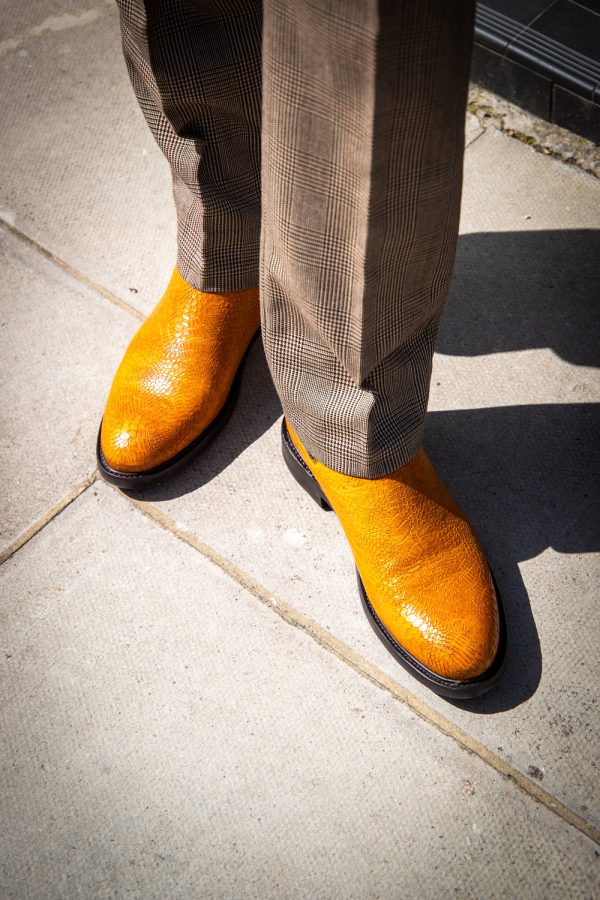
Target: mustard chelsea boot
{"x": 422, "y": 575}
{"x": 177, "y": 382}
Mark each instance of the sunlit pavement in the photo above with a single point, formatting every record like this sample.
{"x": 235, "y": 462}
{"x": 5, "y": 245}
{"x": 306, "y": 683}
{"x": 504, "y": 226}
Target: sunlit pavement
{"x": 192, "y": 703}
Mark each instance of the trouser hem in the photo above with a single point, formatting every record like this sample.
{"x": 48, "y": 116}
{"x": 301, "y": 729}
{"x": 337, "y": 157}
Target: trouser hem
{"x": 220, "y": 279}
{"x": 395, "y": 454}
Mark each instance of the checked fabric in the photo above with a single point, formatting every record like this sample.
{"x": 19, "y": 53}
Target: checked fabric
{"x": 316, "y": 149}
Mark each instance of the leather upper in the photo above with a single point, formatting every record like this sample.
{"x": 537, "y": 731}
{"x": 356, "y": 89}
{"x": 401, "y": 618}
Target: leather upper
{"x": 176, "y": 374}
{"x": 421, "y": 564}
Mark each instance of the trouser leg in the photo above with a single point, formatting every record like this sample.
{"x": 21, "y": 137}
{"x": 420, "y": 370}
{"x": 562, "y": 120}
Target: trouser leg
{"x": 195, "y": 66}
{"x": 363, "y": 134}
{"x": 361, "y": 168}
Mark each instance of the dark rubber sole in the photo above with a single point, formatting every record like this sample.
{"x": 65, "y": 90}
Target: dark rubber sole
{"x": 446, "y": 687}
{"x": 137, "y": 481}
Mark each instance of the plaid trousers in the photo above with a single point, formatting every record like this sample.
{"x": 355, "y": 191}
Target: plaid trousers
{"x": 338, "y": 190}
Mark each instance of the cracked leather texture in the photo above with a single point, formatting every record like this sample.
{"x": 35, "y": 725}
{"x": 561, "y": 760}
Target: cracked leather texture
{"x": 421, "y": 564}
{"x": 176, "y": 374}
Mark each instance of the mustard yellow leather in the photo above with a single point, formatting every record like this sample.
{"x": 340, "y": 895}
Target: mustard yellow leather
{"x": 176, "y": 374}
{"x": 421, "y": 564}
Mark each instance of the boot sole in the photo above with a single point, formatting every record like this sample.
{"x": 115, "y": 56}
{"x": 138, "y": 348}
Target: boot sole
{"x": 445, "y": 687}
{"x": 137, "y": 481}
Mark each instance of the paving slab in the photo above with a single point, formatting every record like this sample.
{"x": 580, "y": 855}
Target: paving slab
{"x": 59, "y": 344}
{"x": 81, "y": 172}
{"x": 163, "y": 733}
{"x": 513, "y": 429}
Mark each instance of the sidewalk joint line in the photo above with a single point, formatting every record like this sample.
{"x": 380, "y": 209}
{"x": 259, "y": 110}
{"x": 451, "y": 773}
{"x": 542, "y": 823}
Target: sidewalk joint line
{"x": 372, "y": 673}
{"x": 477, "y": 136}
{"x": 72, "y": 271}
{"x": 47, "y": 517}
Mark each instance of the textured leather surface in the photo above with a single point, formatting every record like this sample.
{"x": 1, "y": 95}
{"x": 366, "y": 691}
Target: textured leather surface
{"x": 420, "y": 562}
{"x": 176, "y": 374}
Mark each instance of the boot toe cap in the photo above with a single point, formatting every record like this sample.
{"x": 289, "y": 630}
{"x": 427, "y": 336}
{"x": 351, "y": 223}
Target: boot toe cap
{"x": 460, "y": 645}
{"x": 453, "y": 632}
{"x": 124, "y": 445}
{"x": 135, "y": 443}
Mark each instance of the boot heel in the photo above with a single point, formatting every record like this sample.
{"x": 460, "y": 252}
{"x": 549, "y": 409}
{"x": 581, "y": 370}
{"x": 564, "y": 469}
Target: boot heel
{"x": 300, "y": 471}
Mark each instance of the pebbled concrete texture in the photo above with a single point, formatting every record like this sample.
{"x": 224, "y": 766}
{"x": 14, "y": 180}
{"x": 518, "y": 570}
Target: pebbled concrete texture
{"x": 171, "y": 736}
{"x": 162, "y": 733}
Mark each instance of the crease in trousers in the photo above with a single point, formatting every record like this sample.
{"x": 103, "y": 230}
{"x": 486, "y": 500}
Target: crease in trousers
{"x": 316, "y": 148}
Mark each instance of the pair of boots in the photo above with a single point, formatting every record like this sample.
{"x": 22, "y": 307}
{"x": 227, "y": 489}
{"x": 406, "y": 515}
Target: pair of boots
{"x": 423, "y": 579}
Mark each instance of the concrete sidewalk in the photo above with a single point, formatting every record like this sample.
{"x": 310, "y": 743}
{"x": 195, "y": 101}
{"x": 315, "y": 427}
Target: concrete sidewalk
{"x": 191, "y": 700}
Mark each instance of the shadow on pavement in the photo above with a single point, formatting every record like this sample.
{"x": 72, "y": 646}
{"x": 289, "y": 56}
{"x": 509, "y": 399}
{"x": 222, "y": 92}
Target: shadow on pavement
{"x": 518, "y": 290}
{"x": 528, "y": 478}
{"x": 527, "y": 475}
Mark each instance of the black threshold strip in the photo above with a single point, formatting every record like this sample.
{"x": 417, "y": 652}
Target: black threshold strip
{"x": 543, "y": 55}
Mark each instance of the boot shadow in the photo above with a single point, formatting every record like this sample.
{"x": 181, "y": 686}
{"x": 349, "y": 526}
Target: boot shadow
{"x": 528, "y": 478}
